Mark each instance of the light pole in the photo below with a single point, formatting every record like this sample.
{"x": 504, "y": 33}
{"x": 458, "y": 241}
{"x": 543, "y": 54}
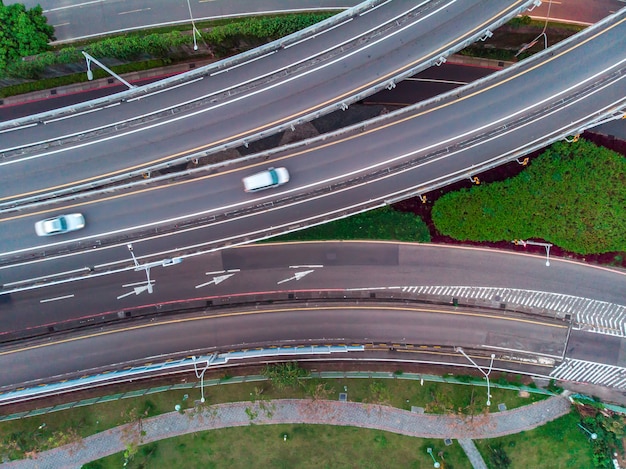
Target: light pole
{"x": 148, "y": 266}
{"x": 543, "y": 33}
{"x": 436, "y": 463}
{"x": 90, "y": 59}
{"x": 486, "y": 374}
{"x": 193, "y": 27}
{"x": 593, "y": 436}
{"x": 201, "y": 376}
{"x": 536, "y": 243}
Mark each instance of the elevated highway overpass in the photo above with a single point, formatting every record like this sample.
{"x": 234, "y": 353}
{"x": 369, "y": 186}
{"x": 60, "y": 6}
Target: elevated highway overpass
{"x": 546, "y": 98}
{"x": 226, "y": 105}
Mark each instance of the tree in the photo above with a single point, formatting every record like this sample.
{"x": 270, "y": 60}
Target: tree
{"x": 22, "y": 32}
{"x": 285, "y": 375}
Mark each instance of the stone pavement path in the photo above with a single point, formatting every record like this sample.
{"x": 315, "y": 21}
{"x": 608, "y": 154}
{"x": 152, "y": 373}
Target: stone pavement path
{"x": 472, "y": 453}
{"x": 301, "y": 411}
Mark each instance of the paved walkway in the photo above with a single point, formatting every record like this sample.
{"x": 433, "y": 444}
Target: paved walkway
{"x": 302, "y": 411}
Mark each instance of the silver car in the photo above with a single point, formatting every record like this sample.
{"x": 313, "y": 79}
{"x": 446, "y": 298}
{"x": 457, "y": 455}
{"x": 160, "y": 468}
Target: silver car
{"x": 60, "y": 224}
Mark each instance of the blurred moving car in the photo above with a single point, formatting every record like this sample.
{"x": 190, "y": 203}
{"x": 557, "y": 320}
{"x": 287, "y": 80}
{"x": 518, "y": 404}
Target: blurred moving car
{"x": 60, "y": 224}
{"x": 271, "y": 177}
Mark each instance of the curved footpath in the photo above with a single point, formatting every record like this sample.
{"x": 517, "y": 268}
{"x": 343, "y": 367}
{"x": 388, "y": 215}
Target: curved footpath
{"x": 293, "y": 411}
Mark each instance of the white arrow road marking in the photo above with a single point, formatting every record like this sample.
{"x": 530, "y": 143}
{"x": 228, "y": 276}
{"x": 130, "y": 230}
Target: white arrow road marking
{"x": 215, "y": 280}
{"x": 137, "y": 290}
{"x": 297, "y": 276}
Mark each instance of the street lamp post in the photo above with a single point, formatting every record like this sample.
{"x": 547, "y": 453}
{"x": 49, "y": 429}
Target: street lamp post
{"x": 201, "y": 376}
{"x": 148, "y": 266}
{"x": 436, "y": 463}
{"x": 593, "y": 436}
{"x": 193, "y": 27}
{"x": 90, "y": 59}
{"x": 536, "y": 243}
{"x": 485, "y": 373}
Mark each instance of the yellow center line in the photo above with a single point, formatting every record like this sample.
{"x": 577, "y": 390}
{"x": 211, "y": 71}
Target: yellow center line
{"x": 265, "y": 126}
{"x": 281, "y": 310}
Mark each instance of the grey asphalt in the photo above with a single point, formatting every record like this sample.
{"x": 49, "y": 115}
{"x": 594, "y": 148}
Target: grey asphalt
{"x": 423, "y": 136}
{"x": 247, "y": 327}
{"x": 289, "y": 411}
{"x": 332, "y": 72}
{"x": 346, "y": 265}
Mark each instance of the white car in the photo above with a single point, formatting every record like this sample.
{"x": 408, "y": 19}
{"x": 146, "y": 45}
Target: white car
{"x": 60, "y": 224}
{"x": 271, "y": 177}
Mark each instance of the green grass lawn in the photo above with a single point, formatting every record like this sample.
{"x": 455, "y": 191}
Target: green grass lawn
{"x": 557, "y": 445}
{"x": 19, "y": 436}
{"x": 307, "y": 446}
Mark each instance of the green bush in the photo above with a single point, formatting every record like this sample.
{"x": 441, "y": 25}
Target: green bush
{"x": 133, "y": 46}
{"x": 573, "y": 195}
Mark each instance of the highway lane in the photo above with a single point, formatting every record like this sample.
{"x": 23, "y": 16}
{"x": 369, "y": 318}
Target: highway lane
{"x": 231, "y": 118}
{"x": 272, "y": 268}
{"x": 413, "y": 134}
{"x": 77, "y": 19}
{"x": 245, "y": 328}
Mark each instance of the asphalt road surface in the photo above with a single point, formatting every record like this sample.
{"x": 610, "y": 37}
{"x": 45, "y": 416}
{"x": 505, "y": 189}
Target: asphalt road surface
{"x": 222, "y": 117}
{"x": 295, "y": 325}
{"x": 404, "y": 137}
{"x": 327, "y": 266}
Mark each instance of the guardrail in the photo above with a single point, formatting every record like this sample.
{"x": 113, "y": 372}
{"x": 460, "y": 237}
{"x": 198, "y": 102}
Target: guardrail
{"x": 93, "y": 380}
{"x": 314, "y": 375}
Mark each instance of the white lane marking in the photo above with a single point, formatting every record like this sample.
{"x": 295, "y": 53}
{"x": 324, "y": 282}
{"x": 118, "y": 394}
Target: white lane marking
{"x": 435, "y": 80}
{"x": 216, "y": 280}
{"x": 222, "y": 271}
{"x": 60, "y": 24}
{"x": 244, "y": 96}
{"x": 56, "y": 299}
{"x": 297, "y": 276}
{"x": 77, "y": 5}
{"x": 254, "y": 59}
{"x": 163, "y": 90}
{"x": 305, "y": 266}
{"x": 135, "y": 284}
{"x": 69, "y": 116}
{"x": 17, "y": 128}
{"x": 133, "y": 11}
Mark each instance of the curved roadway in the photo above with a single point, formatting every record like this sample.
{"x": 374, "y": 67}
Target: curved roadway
{"x": 345, "y": 265}
{"x": 243, "y": 101}
{"x": 512, "y": 112}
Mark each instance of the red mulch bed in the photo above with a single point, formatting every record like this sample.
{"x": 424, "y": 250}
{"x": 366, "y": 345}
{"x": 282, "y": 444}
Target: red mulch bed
{"x": 500, "y": 173}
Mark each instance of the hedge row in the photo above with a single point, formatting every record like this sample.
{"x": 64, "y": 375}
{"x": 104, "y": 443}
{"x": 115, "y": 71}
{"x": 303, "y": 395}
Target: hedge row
{"x": 220, "y": 39}
{"x": 573, "y": 195}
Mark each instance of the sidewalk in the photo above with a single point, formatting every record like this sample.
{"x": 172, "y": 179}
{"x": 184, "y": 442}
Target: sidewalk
{"x": 304, "y": 411}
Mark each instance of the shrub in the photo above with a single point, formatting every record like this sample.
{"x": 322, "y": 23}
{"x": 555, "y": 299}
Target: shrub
{"x": 573, "y": 195}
